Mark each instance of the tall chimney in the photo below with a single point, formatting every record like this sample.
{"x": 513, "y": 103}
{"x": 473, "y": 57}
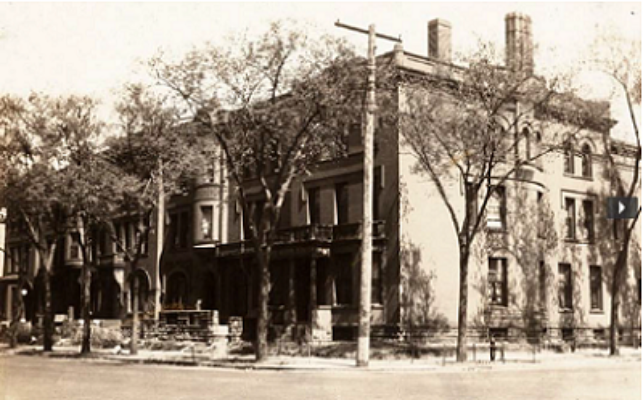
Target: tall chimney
{"x": 519, "y": 46}
{"x": 440, "y": 39}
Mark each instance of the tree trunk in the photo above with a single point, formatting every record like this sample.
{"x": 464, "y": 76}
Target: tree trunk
{"x": 312, "y": 307}
{"x": 261, "y": 348}
{"x": 133, "y": 349}
{"x": 86, "y": 345}
{"x": 619, "y": 268}
{"x": 461, "y": 350}
{"x": 48, "y": 321}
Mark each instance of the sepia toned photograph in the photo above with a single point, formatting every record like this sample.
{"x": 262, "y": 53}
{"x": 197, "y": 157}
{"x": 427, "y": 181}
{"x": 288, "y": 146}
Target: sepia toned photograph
{"x": 320, "y": 200}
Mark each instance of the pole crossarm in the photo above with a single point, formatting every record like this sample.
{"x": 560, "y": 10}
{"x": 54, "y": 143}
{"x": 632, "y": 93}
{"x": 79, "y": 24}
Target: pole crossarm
{"x": 365, "y": 31}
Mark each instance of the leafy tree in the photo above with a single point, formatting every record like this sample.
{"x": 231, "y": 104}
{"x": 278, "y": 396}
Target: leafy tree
{"x": 157, "y": 153}
{"x": 465, "y": 125}
{"x": 31, "y": 156}
{"x": 274, "y": 105}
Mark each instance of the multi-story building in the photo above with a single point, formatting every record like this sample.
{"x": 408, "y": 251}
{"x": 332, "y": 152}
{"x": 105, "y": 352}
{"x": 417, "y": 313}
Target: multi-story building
{"x": 543, "y": 264}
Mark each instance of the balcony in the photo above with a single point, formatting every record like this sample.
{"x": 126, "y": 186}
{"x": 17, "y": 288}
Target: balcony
{"x": 310, "y": 234}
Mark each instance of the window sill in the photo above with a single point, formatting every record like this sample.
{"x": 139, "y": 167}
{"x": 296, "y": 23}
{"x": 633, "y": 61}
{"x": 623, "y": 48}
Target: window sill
{"x": 580, "y": 177}
{"x": 596, "y": 311}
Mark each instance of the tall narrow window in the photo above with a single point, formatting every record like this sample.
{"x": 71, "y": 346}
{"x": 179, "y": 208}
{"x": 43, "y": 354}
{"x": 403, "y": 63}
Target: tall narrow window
{"x": 341, "y": 203}
{"x": 174, "y": 229}
{"x": 588, "y": 219}
{"x": 570, "y": 219}
{"x": 206, "y": 222}
{"x": 497, "y": 281}
{"x": 596, "y": 287}
{"x": 526, "y": 137}
{"x": 184, "y": 229}
{"x": 376, "y": 279}
{"x": 496, "y": 209}
{"x": 74, "y": 246}
{"x": 565, "y": 288}
{"x": 569, "y": 159}
{"x": 344, "y": 279}
{"x": 587, "y": 161}
{"x": 314, "y": 211}
{"x": 542, "y": 283}
{"x": 540, "y": 214}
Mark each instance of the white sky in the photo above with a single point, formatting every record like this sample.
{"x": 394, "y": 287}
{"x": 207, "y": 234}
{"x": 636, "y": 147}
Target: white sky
{"x": 94, "y": 48}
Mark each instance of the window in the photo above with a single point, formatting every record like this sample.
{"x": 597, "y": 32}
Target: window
{"x": 588, "y": 219}
{"x": 14, "y": 260}
{"x": 569, "y": 159}
{"x": 341, "y": 203}
{"x": 184, "y": 230}
{"x": 174, "y": 230}
{"x": 314, "y": 211}
{"x": 496, "y": 209}
{"x": 540, "y": 210}
{"x": 497, "y": 281}
{"x": 565, "y": 288}
{"x": 570, "y": 219}
{"x": 376, "y": 279}
{"x": 355, "y": 136}
{"x": 119, "y": 236}
{"x": 596, "y": 287}
{"x": 527, "y": 139}
{"x": 74, "y": 246}
{"x": 542, "y": 283}
{"x": 586, "y": 154}
{"x": 206, "y": 222}
{"x": 128, "y": 235}
{"x": 344, "y": 280}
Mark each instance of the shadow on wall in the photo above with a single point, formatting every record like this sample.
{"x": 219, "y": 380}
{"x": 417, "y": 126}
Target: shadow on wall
{"x": 419, "y": 317}
{"x": 522, "y": 281}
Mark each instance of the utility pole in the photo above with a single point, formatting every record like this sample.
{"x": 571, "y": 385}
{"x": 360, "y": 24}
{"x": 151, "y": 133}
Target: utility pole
{"x": 364, "y": 327}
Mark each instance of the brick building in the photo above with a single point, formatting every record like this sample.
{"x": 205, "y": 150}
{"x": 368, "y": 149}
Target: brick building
{"x": 515, "y": 290}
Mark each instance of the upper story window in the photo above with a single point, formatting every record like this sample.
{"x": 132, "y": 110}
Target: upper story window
{"x": 569, "y": 159}
{"x": 74, "y": 246}
{"x": 527, "y": 138}
{"x": 588, "y": 219}
{"x": 341, "y": 203}
{"x": 570, "y": 218}
{"x": 206, "y": 222}
{"x": 586, "y": 157}
{"x": 314, "y": 206}
{"x": 497, "y": 281}
{"x": 497, "y": 209}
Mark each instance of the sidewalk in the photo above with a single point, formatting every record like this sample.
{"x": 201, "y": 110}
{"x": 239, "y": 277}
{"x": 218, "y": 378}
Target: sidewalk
{"x": 544, "y": 360}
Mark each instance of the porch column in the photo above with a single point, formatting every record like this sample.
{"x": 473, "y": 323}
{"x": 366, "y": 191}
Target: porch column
{"x": 291, "y": 316}
{"x": 313, "y": 294}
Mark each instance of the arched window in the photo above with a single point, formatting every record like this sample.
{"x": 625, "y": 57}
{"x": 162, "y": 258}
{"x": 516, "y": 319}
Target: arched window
{"x": 587, "y": 161}
{"x": 527, "y": 139}
{"x": 569, "y": 158}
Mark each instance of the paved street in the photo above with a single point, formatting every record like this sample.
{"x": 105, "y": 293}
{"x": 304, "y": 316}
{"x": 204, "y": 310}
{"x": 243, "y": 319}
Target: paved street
{"x": 36, "y": 378}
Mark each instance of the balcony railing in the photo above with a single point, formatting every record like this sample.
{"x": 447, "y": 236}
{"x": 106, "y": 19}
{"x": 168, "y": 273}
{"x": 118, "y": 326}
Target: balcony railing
{"x": 309, "y": 233}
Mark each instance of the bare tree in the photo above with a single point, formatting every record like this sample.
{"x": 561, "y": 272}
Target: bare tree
{"x": 466, "y": 125}
{"x": 620, "y": 59}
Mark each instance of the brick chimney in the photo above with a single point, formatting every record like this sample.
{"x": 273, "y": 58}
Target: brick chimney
{"x": 440, "y": 39}
{"x": 519, "y": 46}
